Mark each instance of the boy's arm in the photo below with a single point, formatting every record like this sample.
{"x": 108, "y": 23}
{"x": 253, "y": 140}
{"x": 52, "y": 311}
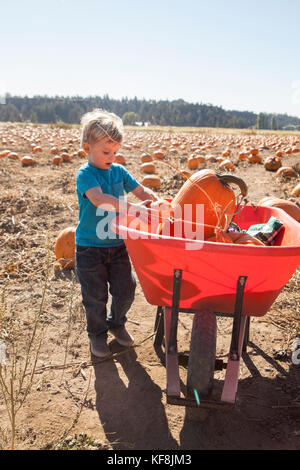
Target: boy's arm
{"x": 144, "y": 194}
{"x": 111, "y": 203}
{"x": 106, "y": 201}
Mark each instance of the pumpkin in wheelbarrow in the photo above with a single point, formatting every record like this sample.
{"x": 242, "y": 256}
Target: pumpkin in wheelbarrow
{"x": 157, "y": 211}
{"x": 239, "y": 238}
{"x": 215, "y": 193}
{"x": 287, "y": 206}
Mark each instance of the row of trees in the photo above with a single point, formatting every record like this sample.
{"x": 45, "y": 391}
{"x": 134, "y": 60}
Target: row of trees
{"x": 266, "y": 121}
{"x": 44, "y": 109}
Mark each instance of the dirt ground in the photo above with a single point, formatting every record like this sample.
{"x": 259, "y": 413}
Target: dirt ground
{"x": 72, "y": 401}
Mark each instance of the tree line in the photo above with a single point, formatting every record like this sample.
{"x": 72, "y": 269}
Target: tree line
{"x": 47, "y": 110}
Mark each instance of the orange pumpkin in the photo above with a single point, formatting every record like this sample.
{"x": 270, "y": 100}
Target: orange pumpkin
{"x": 226, "y": 153}
{"x": 155, "y": 215}
{"x": 242, "y": 156}
{"x": 185, "y": 173}
{"x": 288, "y": 206}
{"x": 241, "y": 238}
{"x": 151, "y": 181}
{"x": 272, "y": 163}
{"x": 215, "y": 193}
{"x": 13, "y": 156}
{"x": 220, "y": 236}
{"x": 227, "y": 165}
{"x": 148, "y": 167}
{"x": 286, "y": 172}
{"x": 64, "y": 248}
{"x": 159, "y": 154}
{"x": 145, "y": 157}
{"x": 4, "y": 153}
{"x": 254, "y": 158}
{"x": 201, "y": 158}
{"x": 57, "y": 160}
{"x": 66, "y": 157}
{"x": 296, "y": 190}
{"x": 82, "y": 153}
{"x": 193, "y": 162}
{"x": 27, "y": 161}
{"x": 238, "y": 238}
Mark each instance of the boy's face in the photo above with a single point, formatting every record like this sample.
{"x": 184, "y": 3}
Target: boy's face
{"x": 102, "y": 153}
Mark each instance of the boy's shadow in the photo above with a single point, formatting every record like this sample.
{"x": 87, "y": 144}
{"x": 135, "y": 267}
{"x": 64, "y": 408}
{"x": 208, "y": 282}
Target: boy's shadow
{"x": 132, "y": 414}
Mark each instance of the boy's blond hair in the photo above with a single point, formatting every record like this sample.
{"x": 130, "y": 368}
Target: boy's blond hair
{"x": 100, "y": 123}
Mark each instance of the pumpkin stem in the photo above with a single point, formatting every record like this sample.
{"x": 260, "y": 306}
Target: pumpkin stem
{"x": 227, "y": 179}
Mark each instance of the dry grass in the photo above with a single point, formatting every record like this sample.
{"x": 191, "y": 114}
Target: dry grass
{"x": 172, "y": 129}
{"x": 23, "y": 347}
{"x": 285, "y": 312}
{"x": 212, "y": 130}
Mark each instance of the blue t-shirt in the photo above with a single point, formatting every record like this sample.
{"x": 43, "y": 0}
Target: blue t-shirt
{"x": 93, "y": 226}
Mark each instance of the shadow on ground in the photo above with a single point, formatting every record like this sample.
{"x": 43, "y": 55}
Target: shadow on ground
{"x": 134, "y": 416}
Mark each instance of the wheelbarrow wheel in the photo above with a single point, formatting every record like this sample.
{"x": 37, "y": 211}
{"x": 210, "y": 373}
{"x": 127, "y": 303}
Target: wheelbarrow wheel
{"x": 202, "y": 357}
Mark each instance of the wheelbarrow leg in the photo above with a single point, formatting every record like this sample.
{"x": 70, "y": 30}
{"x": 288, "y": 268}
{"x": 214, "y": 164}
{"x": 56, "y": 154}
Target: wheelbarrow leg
{"x": 172, "y": 366}
{"x": 246, "y": 336}
{"x": 159, "y": 331}
{"x": 232, "y": 369}
{"x": 236, "y": 346}
{"x": 159, "y": 327}
{"x": 171, "y": 324}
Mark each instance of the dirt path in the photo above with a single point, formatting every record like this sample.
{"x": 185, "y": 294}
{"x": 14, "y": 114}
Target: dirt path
{"x": 121, "y": 403}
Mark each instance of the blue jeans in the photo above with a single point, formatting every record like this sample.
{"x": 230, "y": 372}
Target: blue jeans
{"x": 96, "y": 268}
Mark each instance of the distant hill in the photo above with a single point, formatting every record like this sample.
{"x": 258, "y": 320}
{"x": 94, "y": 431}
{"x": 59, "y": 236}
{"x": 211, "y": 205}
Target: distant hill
{"x": 46, "y": 110}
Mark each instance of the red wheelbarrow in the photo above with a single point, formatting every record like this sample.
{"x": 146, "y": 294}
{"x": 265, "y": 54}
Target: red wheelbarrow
{"x": 211, "y": 279}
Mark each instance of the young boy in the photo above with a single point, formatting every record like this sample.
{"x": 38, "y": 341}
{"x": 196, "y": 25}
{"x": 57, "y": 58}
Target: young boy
{"x": 101, "y": 256}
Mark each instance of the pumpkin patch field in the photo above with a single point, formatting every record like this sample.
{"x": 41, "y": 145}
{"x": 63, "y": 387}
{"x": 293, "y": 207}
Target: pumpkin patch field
{"x": 54, "y": 394}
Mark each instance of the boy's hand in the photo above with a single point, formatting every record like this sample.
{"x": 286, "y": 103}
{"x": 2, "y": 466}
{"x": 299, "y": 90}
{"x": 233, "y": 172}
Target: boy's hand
{"x": 146, "y": 203}
{"x": 140, "y": 210}
{"x": 151, "y": 194}
{"x": 163, "y": 208}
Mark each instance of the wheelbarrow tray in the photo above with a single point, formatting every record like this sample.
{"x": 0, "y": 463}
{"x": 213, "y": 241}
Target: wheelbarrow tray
{"x": 237, "y": 280}
{"x": 210, "y": 270}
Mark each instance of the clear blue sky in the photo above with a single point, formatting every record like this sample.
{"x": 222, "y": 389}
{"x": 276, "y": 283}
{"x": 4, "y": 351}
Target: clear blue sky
{"x": 241, "y": 55}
